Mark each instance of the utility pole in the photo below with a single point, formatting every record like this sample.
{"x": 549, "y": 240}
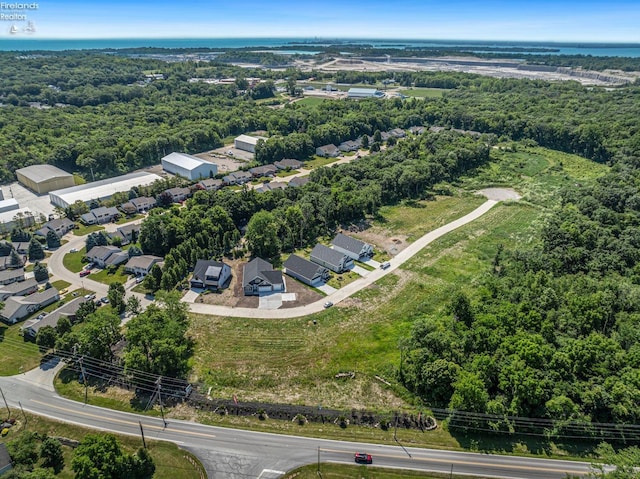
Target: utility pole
{"x": 161, "y": 407}
{"x": 144, "y": 443}
{"x": 84, "y": 380}
{"x": 6, "y": 404}
{"x": 25, "y": 416}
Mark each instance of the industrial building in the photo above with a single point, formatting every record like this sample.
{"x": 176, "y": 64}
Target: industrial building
{"x": 22, "y": 217}
{"x": 100, "y": 190}
{"x": 364, "y": 93}
{"x": 8, "y": 205}
{"x": 44, "y": 178}
{"x": 189, "y": 166}
{"x": 247, "y": 143}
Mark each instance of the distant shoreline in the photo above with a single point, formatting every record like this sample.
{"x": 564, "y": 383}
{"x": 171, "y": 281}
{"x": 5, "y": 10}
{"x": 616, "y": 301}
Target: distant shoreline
{"x": 630, "y": 50}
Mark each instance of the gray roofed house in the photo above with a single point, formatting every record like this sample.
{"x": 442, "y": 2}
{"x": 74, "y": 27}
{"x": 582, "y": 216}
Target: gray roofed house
{"x": 264, "y": 170}
{"x": 18, "y": 307}
{"x": 352, "y": 247}
{"x": 350, "y": 145}
{"x": 306, "y": 271}
{"x": 332, "y": 259}
{"x": 5, "y": 262}
{"x": 237, "y": 178}
{"x": 59, "y": 226}
{"x": 6, "y": 464}
{"x": 9, "y": 276}
{"x": 210, "y": 184}
{"x": 68, "y": 310}
{"x": 100, "y": 255}
{"x": 178, "y": 194}
{"x": 143, "y": 203}
{"x": 417, "y": 130}
{"x": 326, "y": 151}
{"x": 210, "y": 274}
{"x": 288, "y": 164}
{"x": 299, "y": 181}
{"x": 100, "y": 215}
{"x": 129, "y": 232}
{"x": 21, "y": 247}
{"x": 141, "y": 265}
{"x": 258, "y": 276}
{"x": 397, "y": 132}
{"x": 19, "y": 288}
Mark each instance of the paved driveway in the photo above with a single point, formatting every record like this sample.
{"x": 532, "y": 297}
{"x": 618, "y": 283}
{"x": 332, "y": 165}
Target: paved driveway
{"x": 360, "y": 270}
{"x": 270, "y": 301}
{"x": 326, "y": 289}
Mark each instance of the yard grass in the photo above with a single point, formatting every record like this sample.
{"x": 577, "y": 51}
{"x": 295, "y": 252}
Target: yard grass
{"x": 106, "y": 277}
{"x": 318, "y": 161}
{"x": 310, "y": 101}
{"x": 343, "y": 471}
{"x": 73, "y": 261}
{"x": 85, "y": 230}
{"x": 128, "y": 219}
{"x": 285, "y": 173}
{"x": 423, "y": 92}
{"x": 16, "y": 354}
{"x": 171, "y": 462}
{"x": 60, "y": 284}
{"x": 339, "y": 280}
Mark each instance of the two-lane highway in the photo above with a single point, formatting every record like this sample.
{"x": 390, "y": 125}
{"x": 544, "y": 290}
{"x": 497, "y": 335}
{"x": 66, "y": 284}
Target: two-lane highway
{"x": 232, "y": 453}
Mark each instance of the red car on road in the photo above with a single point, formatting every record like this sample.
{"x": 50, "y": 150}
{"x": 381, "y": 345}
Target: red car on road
{"x": 362, "y": 458}
{"x": 84, "y": 272}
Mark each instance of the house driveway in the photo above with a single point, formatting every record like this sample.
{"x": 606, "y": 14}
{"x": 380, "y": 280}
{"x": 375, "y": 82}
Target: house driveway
{"x": 270, "y": 301}
{"x": 360, "y": 270}
{"x": 372, "y": 262}
{"x": 326, "y": 289}
{"x": 191, "y": 296}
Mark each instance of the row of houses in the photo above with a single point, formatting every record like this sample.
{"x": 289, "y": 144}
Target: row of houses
{"x": 332, "y": 151}
{"x": 105, "y": 256}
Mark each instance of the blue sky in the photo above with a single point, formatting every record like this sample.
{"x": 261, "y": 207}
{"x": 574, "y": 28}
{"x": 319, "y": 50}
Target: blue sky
{"x": 546, "y": 20}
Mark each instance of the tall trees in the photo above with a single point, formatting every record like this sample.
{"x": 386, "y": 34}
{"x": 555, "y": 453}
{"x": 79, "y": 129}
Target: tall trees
{"x": 99, "y": 456}
{"x": 262, "y": 235}
{"x": 116, "y": 295}
{"x": 36, "y": 251}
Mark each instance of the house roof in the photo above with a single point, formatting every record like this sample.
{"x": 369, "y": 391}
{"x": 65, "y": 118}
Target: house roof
{"x": 241, "y": 174}
{"x": 128, "y": 229}
{"x": 178, "y": 191}
{"x": 259, "y": 268}
{"x": 11, "y": 273}
{"x": 144, "y": 261}
{"x": 102, "y": 251}
{"x": 326, "y": 254}
{"x": 117, "y": 258}
{"x": 14, "y": 303}
{"x": 262, "y": 170}
{"x": 288, "y": 163}
{"x": 331, "y": 148}
{"x": 302, "y": 267}
{"x": 348, "y": 243}
{"x": 142, "y": 201}
{"x": 51, "y": 319}
{"x": 210, "y": 183}
{"x": 105, "y": 211}
{"x": 17, "y": 245}
{"x": 18, "y": 286}
{"x": 58, "y": 222}
{"x": 207, "y": 267}
{"x": 299, "y": 181}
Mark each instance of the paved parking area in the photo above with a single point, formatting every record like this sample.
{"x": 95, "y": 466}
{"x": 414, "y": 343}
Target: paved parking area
{"x": 39, "y": 204}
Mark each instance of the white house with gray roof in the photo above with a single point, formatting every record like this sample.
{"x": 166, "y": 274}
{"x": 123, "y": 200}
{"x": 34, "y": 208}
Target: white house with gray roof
{"x": 332, "y": 259}
{"x": 210, "y": 274}
{"x": 68, "y": 310}
{"x": 18, "y": 307}
{"x": 306, "y": 271}
{"x": 352, "y": 247}
{"x": 258, "y": 276}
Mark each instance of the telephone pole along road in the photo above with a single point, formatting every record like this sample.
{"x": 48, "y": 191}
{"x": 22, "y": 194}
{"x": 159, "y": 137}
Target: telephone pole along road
{"x": 238, "y": 454}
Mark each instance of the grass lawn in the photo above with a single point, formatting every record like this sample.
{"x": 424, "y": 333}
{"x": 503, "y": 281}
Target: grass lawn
{"x": 128, "y": 219}
{"x": 60, "y": 284}
{"x": 171, "y": 462}
{"x": 310, "y": 101}
{"x": 423, "y": 92}
{"x": 339, "y": 280}
{"x": 16, "y": 354}
{"x": 104, "y": 276}
{"x": 73, "y": 261}
{"x": 319, "y": 161}
{"x": 85, "y": 230}
{"x": 343, "y": 471}
{"x": 285, "y": 173}
{"x": 29, "y": 268}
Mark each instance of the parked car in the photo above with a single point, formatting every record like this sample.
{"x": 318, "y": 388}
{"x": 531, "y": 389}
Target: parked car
{"x": 385, "y": 265}
{"x": 84, "y": 272}
{"x": 42, "y": 315}
{"x": 73, "y": 250}
{"x": 105, "y": 300}
{"x": 328, "y": 304}
{"x": 362, "y": 458}
{"x": 139, "y": 279}
{"x": 89, "y": 296}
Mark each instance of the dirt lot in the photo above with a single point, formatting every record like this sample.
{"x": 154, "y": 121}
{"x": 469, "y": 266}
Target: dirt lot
{"x": 234, "y": 296}
{"x": 226, "y": 163}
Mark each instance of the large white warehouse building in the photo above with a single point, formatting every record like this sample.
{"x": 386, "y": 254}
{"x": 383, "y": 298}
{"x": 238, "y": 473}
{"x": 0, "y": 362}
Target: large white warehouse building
{"x": 189, "y": 166}
{"x": 100, "y": 190}
{"x": 247, "y": 143}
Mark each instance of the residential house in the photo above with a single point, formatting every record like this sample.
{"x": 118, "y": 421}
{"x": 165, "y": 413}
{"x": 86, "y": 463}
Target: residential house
{"x": 104, "y": 256}
{"x": 237, "y": 178}
{"x": 332, "y": 259}
{"x": 210, "y": 184}
{"x": 258, "y": 276}
{"x": 21, "y": 247}
{"x": 68, "y": 310}
{"x": 178, "y": 194}
{"x": 98, "y": 216}
{"x": 138, "y": 205}
{"x": 328, "y": 151}
{"x": 265, "y": 170}
{"x": 19, "y": 288}
{"x": 350, "y": 145}
{"x": 304, "y": 270}
{"x": 417, "y": 130}
{"x": 129, "y": 233}
{"x": 59, "y": 226}
{"x": 354, "y": 248}
{"x": 18, "y": 307}
{"x": 141, "y": 265}
{"x": 5, "y": 262}
{"x": 397, "y": 133}
{"x": 288, "y": 164}
{"x": 9, "y": 276}
{"x": 299, "y": 181}
{"x": 385, "y": 135}
{"x": 210, "y": 274}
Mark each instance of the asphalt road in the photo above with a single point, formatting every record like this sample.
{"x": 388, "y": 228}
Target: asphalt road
{"x": 231, "y": 453}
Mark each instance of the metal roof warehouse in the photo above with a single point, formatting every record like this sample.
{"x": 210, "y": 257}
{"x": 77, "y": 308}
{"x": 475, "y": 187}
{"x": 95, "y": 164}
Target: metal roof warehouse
{"x": 100, "y": 190}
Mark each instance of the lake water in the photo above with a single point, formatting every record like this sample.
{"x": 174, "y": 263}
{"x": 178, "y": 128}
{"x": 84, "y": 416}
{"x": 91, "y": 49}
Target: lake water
{"x": 600, "y": 49}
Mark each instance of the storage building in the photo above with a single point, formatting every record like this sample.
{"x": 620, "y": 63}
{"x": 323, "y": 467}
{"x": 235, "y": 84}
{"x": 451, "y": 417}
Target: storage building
{"x": 100, "y": 190}
{"x": 44, "y": 178}
{"x": 247, "y": 143}
{"x": 364, "y": 93}
{"x": 189, "y": 166}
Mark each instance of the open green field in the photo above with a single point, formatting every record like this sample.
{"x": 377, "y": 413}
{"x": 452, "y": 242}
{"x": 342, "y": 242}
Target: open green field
{"x": 171, "y": 462}
{"x": 310, "y": 101}
{"x": 342, "y": 471}
{"x": 73, "y": 261}
{"x": 319, "y": 161}
{"x": 16, "y": 354}
{"x": 423, "y": 92}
